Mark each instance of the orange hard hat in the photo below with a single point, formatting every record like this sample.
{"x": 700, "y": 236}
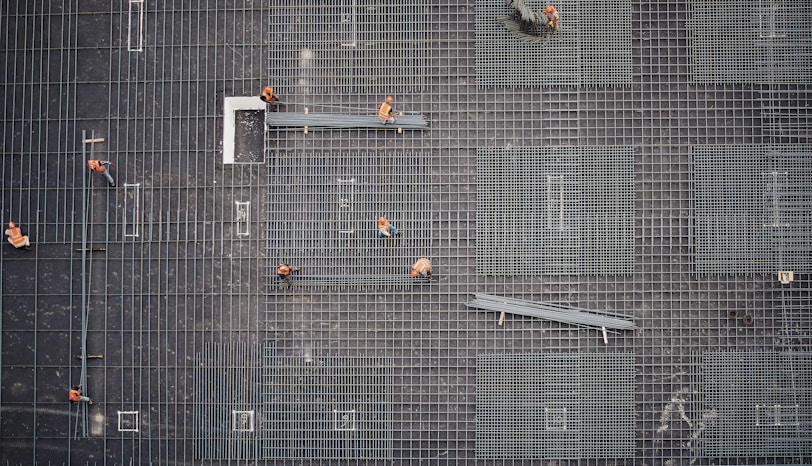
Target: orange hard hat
{"x": 389, "y": 99}
{"x": 381, "y": 219}
{"x": 12, "y": 225}
{"x": 413, "y": 272}
{"x": 549, "y": 9}
{"x": 284, "y": 268}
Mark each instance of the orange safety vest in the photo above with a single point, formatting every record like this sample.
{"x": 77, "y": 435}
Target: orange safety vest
{"x": 383, "y": 225}
{"x": 95, "y": 165}
{"x": 268, "y": 95}
{"x": 75, "y": 395}
{"x": 423, "y": 266}
{"x": 16, "y": 237}
{"x": 385, "y": 111}
{"x": 552, "y": 16}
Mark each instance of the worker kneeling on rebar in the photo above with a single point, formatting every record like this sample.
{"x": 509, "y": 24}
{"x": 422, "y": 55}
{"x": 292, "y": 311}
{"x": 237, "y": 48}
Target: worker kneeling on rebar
{"x": 16, "y": 238}
{"x": 386, "y": 229}
{"x": 283, "y": 271}
{"x": 385, "y": 111}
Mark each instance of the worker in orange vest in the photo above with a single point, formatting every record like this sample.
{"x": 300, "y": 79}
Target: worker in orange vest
{"x": 385, "y": 111}
{"x": 75, "y": 395}
{"x": 421, "y": 268}
{"x": 552, "y": 18}
{"x": 269, "y": 97}
{"x": 386, "y": 229}
{"x": 100, "y": 166}
{"x": 283, "y": 271}
{"x": 16, "y": 238}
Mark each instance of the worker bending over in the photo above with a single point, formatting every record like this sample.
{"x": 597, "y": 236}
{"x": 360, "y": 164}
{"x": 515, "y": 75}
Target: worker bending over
{"x": 16, "y": 238}
{"x": 269, "y": 97}
{"x": 283, "y": 271}
{"x": 421, "y": 268}
{"x": 75, "y": 395}
{"x": 100, "y": 166}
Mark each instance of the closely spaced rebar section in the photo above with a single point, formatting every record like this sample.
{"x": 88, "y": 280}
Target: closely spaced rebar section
{"x": 551, "y": 311}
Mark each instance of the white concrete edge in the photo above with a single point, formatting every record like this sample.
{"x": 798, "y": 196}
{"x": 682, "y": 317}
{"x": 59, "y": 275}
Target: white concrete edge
{"x": 230, "y": 107}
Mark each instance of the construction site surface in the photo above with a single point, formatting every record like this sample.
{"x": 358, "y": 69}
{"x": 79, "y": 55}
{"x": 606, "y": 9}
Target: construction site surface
{"x": 618, "y": 218}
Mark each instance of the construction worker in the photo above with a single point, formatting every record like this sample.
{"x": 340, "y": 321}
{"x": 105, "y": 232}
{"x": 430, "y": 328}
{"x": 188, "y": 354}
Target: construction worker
{"x": 75, "y": 395}
{"x": 421, "y": 268}
{"x": 269, "y": 97}
{"x": 385, "y": 112}
{"x": 283, "y": 271}
{"x": 16, "y": 238}
{"x": 386, "y": 229}
{"x": 100, "y": 166}
{"x": 552, "y": 18}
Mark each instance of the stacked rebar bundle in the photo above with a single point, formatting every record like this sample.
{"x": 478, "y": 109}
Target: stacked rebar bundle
{"x": 310, "y": 280}
{"x": 524, "y": 31}
{"x": 340, "y": 120}
{"x": 551, "y": 311}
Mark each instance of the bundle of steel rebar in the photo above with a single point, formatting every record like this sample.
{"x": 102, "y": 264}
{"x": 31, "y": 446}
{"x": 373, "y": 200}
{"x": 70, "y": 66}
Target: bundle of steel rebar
{"x": 339, "y": 120}
{"x": 308, "y": 280}
{"x": 551, "y": 311}
{"x": 522, "y": 30}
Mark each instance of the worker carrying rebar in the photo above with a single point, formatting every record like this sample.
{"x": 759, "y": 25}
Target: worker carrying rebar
{"x": 386, "y": 229}
{"x": 75, "y": 395}
{"x": 421, "y": 268}
{"x": 101, "y": 166}
{"x": 269, "y": 97}
{"x": 552, "y": 18}
{"x": 16, "y": 238}
{"x": 283, "y": 271}
{"x": 386, "y": 112}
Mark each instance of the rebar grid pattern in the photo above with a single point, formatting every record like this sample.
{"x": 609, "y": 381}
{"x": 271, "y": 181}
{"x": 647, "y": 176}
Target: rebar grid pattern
{"x": 555, "y": 405}
{"x": 190, "y": 277}
{"x": 227, "y": 393}
{"x": 338, "y": 200}
{"x": 592, "y": 46}
{"x": 357, "y": 46}
{"x": 563, "y": 210}
{"x": 327, "y": 408}
{"x": 751, "y": 42}
{"x": 753, "y": 208}
{"x": 756, "y": 404}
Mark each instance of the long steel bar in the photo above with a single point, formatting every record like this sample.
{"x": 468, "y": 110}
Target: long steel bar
{"x": 547, "y": 305}
{"x": 539, "y": 310}
{"x": 354, "y": 280}
{"x": 338, "y": 120}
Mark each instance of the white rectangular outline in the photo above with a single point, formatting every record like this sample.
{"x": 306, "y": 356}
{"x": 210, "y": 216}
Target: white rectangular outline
{"x": 345, "y": 203}
{"x": 551, "y": 202}
{"x": 230, "y": 107}
{"x": 136, "y": 219}
{"x": 555, "y": 419}
{"x": 338, "y": 423}
{"x": 234, "y": 415}
{"x": 246, "y": 220}
{"x": 139, "y": 47}
{"x": 773, "y": 415}
{"x": 130, "y": 413}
